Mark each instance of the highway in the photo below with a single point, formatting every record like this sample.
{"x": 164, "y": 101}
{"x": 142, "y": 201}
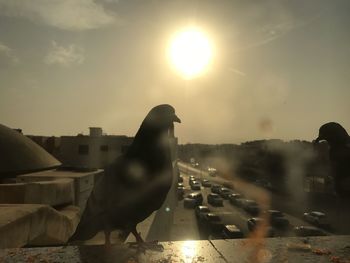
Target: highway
{"x": 185, "y": 224}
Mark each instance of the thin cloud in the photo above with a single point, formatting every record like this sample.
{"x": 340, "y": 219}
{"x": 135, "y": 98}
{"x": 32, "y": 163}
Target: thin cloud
{"x": 236, "y": 71}
{"x": 271, "y": 32}
{"x": 7, "y": 55}
{"x": 73, "y": 15}
{"x": 111, "y": 1}
{"x": 65, "y": 56}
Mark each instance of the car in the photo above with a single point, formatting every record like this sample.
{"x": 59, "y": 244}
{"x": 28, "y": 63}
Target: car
{"x": 224, "y": 192}
{"x": 180, "y": 192}
{"x": 264, "y": 183}
{"x": 201, "y": 210}
{"x": 206, "y": 183}
{"x": 233, "y": 198}
{"x": 277, "y": 219}
{"x": 274, "y": 213}
{"x": 215, "y": 188}
{"x": 231, "y": 231}
{"x": 180, "y": 185}
{"x": 316, "y": 218}
{"x": 197, "y": 196}
{"x": 192, "y": 181}
{"x": 193, "y": 199}
{"x": 212, "y": 171}
{"x": 211, "y": 217}
{"x": 214, "y": 199}
{"x": 191, "y": 178}
{"x": 303, "y": 231}
{"x": 254, "y": 222}
{"x": 196, "y": 185}
{"x": 240, "y": 202}
{"x": 251, "y": 207}
{"x": 181, "y": 189}
{"x": 212, "y": 222}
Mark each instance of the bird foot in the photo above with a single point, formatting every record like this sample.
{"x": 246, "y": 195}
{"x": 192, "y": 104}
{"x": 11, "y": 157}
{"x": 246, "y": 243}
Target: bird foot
{"x": 143, "y": 246}
{"x": 108, "y": 246}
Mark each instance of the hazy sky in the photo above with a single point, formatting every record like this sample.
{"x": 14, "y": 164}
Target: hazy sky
{"x": 280, "y": 68}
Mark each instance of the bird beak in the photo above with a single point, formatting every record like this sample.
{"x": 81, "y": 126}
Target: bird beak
{"x": 317, "y": 140}
{"x": 176, "y": 119}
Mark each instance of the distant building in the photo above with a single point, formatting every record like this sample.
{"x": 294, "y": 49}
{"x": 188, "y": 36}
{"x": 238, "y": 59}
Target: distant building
{"x": 95, "y": 150}
{"x": 92, "y": 151}
{"x": 50, "y": 143}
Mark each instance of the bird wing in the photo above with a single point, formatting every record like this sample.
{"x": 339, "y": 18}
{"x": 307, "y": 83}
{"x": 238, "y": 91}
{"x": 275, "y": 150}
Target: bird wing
{"x": 122, "y": 197}
{"x": 141, "y": 190}
{"x": 94, "y": 215}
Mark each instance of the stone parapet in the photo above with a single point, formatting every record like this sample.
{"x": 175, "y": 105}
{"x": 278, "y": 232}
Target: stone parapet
{"x": 24, "y": 224}
{"x": 54, "y": 193}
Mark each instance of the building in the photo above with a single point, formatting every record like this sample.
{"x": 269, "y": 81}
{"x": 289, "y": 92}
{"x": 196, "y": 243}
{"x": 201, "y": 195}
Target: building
{"x": 50, "y": 143}
{"x": 92, "y": 151}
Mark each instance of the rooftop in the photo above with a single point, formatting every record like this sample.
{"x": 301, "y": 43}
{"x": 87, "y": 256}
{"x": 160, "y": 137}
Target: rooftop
{"x": 20, "y": 154}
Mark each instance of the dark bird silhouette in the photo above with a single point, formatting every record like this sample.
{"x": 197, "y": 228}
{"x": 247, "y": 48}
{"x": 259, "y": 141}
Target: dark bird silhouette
{"x": 135, "y": 184}
{"x": 339, "y": 155}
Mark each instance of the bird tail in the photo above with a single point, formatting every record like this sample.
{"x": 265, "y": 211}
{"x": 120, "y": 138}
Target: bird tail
{"x": 85, "y": 230}
{"x": 82, "y": 235}
{"x": 90, "y": 222}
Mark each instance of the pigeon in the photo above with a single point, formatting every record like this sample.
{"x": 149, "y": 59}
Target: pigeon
{"x": 135, "y": 184}
{"x": 339, "y": 154}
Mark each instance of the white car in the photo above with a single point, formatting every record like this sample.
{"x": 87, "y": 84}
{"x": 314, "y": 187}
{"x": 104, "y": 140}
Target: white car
{"x": 316, "y": 218}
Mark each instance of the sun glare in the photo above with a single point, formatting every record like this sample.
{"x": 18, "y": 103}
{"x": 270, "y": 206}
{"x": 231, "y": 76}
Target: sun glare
{"x": 190, "y": 52}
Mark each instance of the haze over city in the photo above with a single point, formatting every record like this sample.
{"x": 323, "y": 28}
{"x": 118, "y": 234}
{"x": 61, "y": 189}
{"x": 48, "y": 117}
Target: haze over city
{"x": 278, "y": 69}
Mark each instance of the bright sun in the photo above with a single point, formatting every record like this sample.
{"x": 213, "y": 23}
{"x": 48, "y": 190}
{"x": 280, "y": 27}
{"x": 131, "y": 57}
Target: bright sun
{"x": 190, "y": 52}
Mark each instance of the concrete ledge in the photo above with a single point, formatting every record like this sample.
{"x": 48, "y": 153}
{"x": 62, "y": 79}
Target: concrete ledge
{"x": 56, "y": 192}
{"x": 292, "y": 250}
{"x": 59, "y": 226}
{"x": 83, "y": 181}
{"x": 25, "y": 224}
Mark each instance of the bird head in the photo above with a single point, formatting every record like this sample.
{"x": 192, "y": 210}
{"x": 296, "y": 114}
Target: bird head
{"x": 158, "y": 124}
{"x": 161, "y": 117}
{"x": 333, "y": 133}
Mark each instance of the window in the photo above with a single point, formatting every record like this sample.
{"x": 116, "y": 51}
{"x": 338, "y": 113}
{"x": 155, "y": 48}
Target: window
{"x": 104, "y": 148}
{"x": 83, "y": 149}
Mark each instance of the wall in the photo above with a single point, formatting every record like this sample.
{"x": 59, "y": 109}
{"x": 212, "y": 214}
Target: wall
{"x": 95, "y": 157}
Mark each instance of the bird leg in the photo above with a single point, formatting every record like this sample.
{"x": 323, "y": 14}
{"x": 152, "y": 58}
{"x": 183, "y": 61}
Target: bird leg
{"x": 140, "y": 244}
{"x": 107, "y": 238}
{"x": 137, "y": 236}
